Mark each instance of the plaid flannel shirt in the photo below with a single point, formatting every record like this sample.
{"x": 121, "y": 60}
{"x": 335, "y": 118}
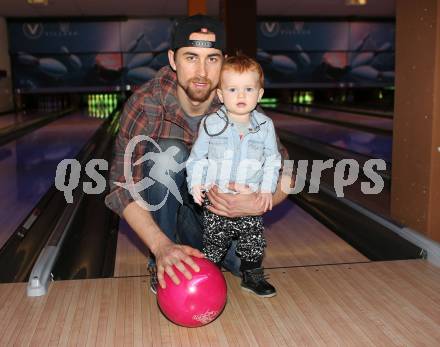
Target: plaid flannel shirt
{"x": 153, "y": 110}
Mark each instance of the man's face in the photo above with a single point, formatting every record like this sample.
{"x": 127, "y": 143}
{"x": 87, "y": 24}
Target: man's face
{"x": 197, "y": 68}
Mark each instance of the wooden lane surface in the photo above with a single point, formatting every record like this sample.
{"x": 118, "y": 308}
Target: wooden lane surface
{"x": 369, "y": 304}
{"x": 294, "y": 239}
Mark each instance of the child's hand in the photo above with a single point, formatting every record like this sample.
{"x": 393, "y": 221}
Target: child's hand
{"x": 265, "y": 201}
{"x": 198, "y": 194}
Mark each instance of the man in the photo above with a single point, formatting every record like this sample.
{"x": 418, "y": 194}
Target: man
{"x": 168, "y": 109}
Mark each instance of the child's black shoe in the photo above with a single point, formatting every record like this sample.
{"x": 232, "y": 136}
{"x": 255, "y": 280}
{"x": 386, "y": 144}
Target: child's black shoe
{"x": 254, "y": 281}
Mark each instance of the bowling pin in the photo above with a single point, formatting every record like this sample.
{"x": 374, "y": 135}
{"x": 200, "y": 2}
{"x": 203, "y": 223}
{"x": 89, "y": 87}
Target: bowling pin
{"x": 303, "y": 56}
{"x": 140, "y": 59}
{"x": 52, "y": 67}
{"x": 366, "y": 72}
{"x": 295, "y": 97}
{"x": 361, "y": 44}
{"x": 133, "y": 44}
{"x": 159, "y": 61}
{"x": 385, "y": 47}
{"x": 387, "y": 75}
{"x": 363, "y": 58}
{"x": 263, "y": 56}
{"x": 164, "y": 45}
{"x": 308, "y": 97}
{"x": 27, "y": 59}
{"x": 73, "y": 60}
{"x": 141, "y": 74}
{"x": 369, "y": 45}
{"x": 283, "y": 64}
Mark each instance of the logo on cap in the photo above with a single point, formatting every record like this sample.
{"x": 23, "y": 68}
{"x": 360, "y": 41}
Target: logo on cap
{"x": 202, "y": 43}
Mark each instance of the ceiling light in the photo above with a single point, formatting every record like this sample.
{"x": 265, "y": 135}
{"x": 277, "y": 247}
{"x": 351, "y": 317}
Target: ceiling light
{"x": 38, "y": 2}
{"x": 355, "y": 2}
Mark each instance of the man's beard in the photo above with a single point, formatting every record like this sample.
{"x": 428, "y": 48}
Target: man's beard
{"x": 199, "y": 95}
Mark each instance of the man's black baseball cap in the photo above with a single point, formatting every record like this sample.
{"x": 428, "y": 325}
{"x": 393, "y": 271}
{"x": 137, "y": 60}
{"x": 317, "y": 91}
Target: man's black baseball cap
{"x": 186, "y": 26}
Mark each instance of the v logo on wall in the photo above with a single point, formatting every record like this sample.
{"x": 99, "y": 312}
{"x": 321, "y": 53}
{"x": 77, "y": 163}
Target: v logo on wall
{"x": 64, "y": 27}
{"x": 270, "y": 29}
{"x": 33, "y": 30}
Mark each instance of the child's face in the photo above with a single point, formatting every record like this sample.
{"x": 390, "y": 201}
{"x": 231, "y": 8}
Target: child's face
{"x": 240, "y": 92}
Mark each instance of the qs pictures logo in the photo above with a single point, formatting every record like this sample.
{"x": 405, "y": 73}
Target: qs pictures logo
{"x": 33, "y": 30}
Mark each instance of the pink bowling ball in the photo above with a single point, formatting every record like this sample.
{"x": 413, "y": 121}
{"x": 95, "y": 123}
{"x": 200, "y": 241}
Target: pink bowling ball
{"x": 194, "y": 302}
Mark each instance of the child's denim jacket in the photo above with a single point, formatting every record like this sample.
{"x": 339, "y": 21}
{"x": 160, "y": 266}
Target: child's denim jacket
{"x": 219, "y": 156}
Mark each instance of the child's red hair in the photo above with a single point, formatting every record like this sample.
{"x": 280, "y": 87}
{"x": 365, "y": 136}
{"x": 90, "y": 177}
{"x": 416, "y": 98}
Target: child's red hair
{"x": 242, "y": 63}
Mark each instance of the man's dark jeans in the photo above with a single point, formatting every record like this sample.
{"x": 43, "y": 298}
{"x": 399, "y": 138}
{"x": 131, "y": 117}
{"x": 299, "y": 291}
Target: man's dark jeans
{"x": 181, "y": 223}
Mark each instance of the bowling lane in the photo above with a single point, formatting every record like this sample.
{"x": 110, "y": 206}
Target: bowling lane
{"x": 8, "y": 120}
{"x": 11, "y": 119}
{"x": 341, "y": 116}
{"x": 372, "y": 145}
{"x": 294, "y": 238}
{"x": 376, "y": 111}
{"x": 28, "y": 165}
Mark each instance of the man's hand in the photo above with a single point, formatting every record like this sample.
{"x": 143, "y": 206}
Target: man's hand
{"x": 244, "y": 203}
{"x": 234, "y": 205}
{"x": 264, "y": 200}
{"x": 169, "y": 254}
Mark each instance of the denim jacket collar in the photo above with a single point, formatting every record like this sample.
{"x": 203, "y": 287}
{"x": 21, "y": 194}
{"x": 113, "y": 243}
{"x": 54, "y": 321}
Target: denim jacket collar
{"x": 255, "y": 125}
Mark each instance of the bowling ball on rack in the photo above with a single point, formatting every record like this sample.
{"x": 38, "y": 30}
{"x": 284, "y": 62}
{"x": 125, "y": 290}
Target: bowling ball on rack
{"x": 197, "y": 301}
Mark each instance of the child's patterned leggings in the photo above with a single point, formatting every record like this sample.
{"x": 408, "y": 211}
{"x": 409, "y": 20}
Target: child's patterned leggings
{"x": 218, "y": 232}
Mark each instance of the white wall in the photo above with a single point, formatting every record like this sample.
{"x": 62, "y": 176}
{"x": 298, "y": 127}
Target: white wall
{"x": 6, "y": 96}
